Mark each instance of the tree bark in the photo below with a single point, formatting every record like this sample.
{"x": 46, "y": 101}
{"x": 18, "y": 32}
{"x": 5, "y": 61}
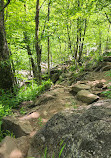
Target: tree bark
{"x": 4, "y": 6}
{"x": 107, "y": 41}
{"x": 37, "y": 46}
{"x": 34, "y": 69}
{"x": 6, "y": 75}
{"x": 108, "y": 18}
{"x": 69, "y": 40}
{"x": 48, "y": 40}
{"x": 77, "y": 41}
{"x": 82, "y": 41}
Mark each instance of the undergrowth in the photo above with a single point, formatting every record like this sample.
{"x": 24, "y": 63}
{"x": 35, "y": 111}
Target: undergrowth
{"x": 108, "y": 93}
{"x": 10, "y": 100}
{"x": 26, "y": 93}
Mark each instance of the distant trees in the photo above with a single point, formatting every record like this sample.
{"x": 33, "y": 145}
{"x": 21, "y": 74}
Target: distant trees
{"x": 55, "y": 31}
{"x": 6, "y": 74}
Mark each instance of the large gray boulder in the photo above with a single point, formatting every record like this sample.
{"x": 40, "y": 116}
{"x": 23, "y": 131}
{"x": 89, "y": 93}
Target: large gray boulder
{"x": 80, "y": 134}
{"x": 87, "y": 97}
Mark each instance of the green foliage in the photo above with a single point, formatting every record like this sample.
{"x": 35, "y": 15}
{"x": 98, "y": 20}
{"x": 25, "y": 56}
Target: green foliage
{"x": 20, "y": 18}
{"x": 108, "y": 73}
{"x": 72, "y": 68}
{"x": 40, "y": 121}
{"x": 107, "y": 54}
{"x": 6, "y": 133}
{"x": 9, "y": 100}
{"x": 108, "y": 92}
{"x": 62, "y": 146}
{"x": 25, "y": 93}
{"x": 22, "y": 111}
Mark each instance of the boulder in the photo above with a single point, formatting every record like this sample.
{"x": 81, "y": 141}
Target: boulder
{"x": 106, "y": 68}
{"x": 54, "y": 74}
{"x": 43, "y": 99}
{"x": 55, "y": 77}
{"x": 87, "y": 97}
{"x": 14, "y": 148}
{"x": 103, "y": 66}
{"x": 78, "y": 87}
{"x": 15, "y": 126}
{"x": 84, "y": 134}
{"x": 99, "y": 84}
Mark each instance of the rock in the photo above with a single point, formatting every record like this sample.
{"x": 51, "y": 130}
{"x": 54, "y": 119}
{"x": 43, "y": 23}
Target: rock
{"x": 80, "y": 134}
{"x": 17, "y": 127}
{"x": 107, "y": 58}
{"x": 54, "y": 74}
{"x": 14, "y": 148}
{"x": 99, "y": 84}
{"x": 54, "y": 77}
{"x": 97, "y": 92}
{"x": 103, "y": 66}
{"x": 8, "y": 148}
{"x": 78, "y": 87}
{"x": 43, "y": 99}
{"x": 86, "y": 96}
{"x": 23, "y": 144}
{"x": 106, "y": 68}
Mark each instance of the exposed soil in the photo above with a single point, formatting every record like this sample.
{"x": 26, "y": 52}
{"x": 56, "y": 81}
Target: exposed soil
{"x": 56, "y": 99}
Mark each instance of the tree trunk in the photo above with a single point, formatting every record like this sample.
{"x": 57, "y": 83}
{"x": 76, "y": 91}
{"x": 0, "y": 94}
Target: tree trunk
{"x": 82, "y": 42}
{"x": 34, "y": 68}
{"x": 48, "y": 40}
{"x": 77, "y": 42}
{"x": 37, "y": 46}
{"x": 6, "y": 75}
{"x": 69, "y": 40}
{"x": 107, "y": 41}
{"x": 100, "y": 44}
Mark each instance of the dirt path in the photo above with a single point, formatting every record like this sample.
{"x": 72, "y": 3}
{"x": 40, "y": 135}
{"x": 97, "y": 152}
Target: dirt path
{"x": 58, "y": 98}
{"x": 35, "y": 114}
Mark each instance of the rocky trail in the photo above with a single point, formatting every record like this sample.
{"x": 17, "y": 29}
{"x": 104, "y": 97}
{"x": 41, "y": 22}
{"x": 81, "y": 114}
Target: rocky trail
{"x": 76, "y": 97}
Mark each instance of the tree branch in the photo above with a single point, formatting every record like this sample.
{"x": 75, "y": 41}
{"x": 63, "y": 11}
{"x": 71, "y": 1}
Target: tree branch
{"x": 5, "y": 6}
{"x": 108, "y": 18}
{"x": 42, "y": 4}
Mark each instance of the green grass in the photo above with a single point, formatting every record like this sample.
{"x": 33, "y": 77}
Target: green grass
{"x": 45, "y": 152}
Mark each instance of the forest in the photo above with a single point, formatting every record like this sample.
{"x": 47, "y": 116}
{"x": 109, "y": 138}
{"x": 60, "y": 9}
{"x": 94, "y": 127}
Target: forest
{"x": 37, "y": 37}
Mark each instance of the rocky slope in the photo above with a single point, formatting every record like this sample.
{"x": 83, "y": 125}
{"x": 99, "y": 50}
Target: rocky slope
{"x": 82, "y": 127}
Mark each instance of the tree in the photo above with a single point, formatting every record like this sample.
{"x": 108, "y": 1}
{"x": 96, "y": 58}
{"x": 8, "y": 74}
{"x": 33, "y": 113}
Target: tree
{"x": 49, "y": 39}
{"x": 37, "y": 45}
{"x": 27, "y": 42}
{"x": 76, "y": 26}
{"x": 6, "y": 74}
